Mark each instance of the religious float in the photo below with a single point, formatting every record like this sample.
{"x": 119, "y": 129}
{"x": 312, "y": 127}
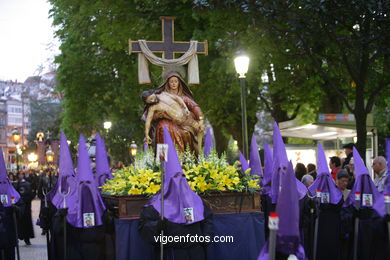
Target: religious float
{"x": 230, "y": 192}
{"x": 223, "y": 187}
{"x": 232, "y": 195}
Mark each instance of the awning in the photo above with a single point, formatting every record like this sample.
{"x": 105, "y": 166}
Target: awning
{"x": 322, "y": 130}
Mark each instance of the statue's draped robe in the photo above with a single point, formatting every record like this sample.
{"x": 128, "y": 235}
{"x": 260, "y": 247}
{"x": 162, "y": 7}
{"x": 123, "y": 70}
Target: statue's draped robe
{"x": 181, "y": 134}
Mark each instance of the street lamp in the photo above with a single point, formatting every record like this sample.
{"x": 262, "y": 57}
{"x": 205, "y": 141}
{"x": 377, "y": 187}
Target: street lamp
{"x": 133, "y": 149}
{"x": 107, "y": 125}
{"x": 241, "y": 62}
{"x": 16, "y": 139}
{"x": 32, "y": 157}
{"x": 49, "y": 156}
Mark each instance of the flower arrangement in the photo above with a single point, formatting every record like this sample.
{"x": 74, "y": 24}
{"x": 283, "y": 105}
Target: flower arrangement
{"x": 204, "y": 175}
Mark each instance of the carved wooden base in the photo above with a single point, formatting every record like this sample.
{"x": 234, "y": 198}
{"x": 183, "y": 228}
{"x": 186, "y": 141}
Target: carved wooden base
{"x": 129, "y": 207}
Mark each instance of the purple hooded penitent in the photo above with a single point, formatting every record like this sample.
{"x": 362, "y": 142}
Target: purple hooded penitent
{"x": 181, "y": 204}
{"x": 243, "y": 161}
{"x": 89, "y": 205}
{"x": 103, "y": 171}
{"x": 66, "y": 179}
{"x": 7, "y": 191}
{"x": 266, "y": 182}
{"x": 146, "y": 146}
{"x": 324, "y": 182}
{"x": 288, "y": 236}
{"x": 208, "y": 143}
{"x": 254, "y": 159}
{"x": 364, "y": 187}
{"x": 280, "y": 163}
{"x": 387, "y": 186}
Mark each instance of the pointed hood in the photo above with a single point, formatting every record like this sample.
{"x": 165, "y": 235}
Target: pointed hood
{"x": 266, "y": 182}
{"x": 288, "y": 205}
{"x": 7, "y": 190}
{"x": 254, "y": 160}
{"x": 89, "y": 206}
{"x": 103, "y": 171}
{"x": 364, "y": 187}
{"x": 208, "y": 143}
{"x": 181, "y": 204}
{"x": 387, "y": 187}
{"x": 324, "y": 181}
{"x": 243, "y": 161}
{"x": 66, "y": 179}
{"x": 288, "y": 236}
{"x": 173, "y": 165}
{"x": 280, "y": 163}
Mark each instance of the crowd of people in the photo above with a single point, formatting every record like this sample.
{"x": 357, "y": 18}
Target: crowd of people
{"x": 31, "y": 184}
{"x": 343, "y": 171}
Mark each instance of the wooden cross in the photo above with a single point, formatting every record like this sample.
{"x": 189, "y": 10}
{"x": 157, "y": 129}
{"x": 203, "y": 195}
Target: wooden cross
{"x": 168, "y": 46}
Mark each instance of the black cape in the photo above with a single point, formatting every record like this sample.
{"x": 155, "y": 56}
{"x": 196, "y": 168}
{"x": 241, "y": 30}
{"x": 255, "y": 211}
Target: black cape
{"x": 329, "y": 229}
{"x": 25, "y": 224}
{"x": 95, "y": 243}
{"x": 150, "y": 226}
{"x": 372, "y": 236}
{"x": 7, "y": 230}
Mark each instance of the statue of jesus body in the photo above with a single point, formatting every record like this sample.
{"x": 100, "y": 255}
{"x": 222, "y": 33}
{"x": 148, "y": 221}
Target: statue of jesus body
{"x": 174, "y": 108}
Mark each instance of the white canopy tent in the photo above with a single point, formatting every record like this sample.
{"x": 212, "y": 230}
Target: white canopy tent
{"x": 329, "y": 130}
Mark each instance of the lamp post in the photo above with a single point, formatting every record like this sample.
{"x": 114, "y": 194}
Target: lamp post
{"x": 241, "y": 63}
{"x": 133, "y": 151}
{"x": 107, "y": 125}
{"x": 32, "y": 157}
{"x": 16, "y": 139}
{"x": 49, "y": 156}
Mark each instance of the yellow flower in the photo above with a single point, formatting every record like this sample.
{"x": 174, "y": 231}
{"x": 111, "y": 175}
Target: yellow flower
{"x": 152, "y": 188}
{"x": 192, "y": 185}
{"x": 253, "y": 184}
{"x": 135, "y": 191}
{"x": 236, "y": 180}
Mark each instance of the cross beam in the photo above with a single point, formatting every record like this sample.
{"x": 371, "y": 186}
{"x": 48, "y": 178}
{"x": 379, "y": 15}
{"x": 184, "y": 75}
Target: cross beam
{"x": 168, "y": 46}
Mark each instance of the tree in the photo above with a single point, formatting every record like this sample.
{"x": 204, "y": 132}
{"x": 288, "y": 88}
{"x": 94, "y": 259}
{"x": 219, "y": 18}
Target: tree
{"x": 345, "y": 43}
{"x": 97, "y": 76}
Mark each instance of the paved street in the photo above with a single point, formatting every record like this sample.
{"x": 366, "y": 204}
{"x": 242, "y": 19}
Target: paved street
{"x": 37, "y": 250}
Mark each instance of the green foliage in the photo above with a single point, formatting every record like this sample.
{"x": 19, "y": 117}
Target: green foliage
{"x": 311, "y": 51}
{"x": 345, "y": 44}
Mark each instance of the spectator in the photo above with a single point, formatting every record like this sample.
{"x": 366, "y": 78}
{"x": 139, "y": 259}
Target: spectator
{"x": 351, "y": 172}
{"x": 342, "y": 179}
{"x": 300, "y": 170}
{"x": 311, "y": 170}
{"x": 379, "y": 165}
{"x": 348, "y": 152}
{"x": 307, "y": 180}
{"x": 12, "y": 178}
{"x": 335, "y": 166}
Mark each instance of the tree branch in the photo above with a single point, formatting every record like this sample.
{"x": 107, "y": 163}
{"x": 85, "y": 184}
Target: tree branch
{"x": 317, "y": 64}
{"x": 266, "y": 103}
{"x": 295, "y": 113}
